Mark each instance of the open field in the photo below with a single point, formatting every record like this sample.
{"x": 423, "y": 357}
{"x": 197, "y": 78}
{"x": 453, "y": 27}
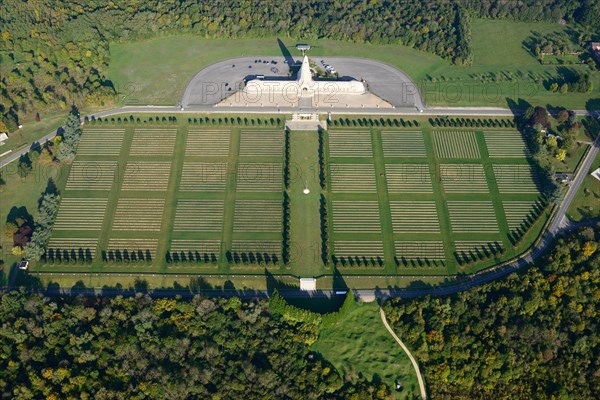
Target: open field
{"x": 359, "y": 343}
{"x": 586, "y": 203}
{"x": 488, "y": 82}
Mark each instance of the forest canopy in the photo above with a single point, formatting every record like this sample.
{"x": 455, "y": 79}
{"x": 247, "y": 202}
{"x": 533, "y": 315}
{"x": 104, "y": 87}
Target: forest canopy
{"x": 533, "y": 335}
{"x": 162, "y": 348}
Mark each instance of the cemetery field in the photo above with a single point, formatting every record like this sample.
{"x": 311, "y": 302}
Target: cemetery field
{"x": 176, "y": 198}
{"x": 422, "y": 200}
{"x": 171, "y": 198}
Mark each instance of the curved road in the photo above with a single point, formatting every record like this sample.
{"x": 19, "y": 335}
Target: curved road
{"x": 218, "y": 81}
{"x": 410, "y": 356}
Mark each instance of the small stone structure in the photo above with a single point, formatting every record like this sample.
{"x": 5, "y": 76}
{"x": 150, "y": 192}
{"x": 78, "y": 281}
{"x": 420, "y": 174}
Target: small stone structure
{"x": 308, "y": 284}
{"x": 305, "y": 122}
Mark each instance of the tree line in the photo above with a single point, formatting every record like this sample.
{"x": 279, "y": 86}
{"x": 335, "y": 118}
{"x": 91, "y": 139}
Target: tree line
{"x": 56, "y": 53}
{"x": 157, "y": 348}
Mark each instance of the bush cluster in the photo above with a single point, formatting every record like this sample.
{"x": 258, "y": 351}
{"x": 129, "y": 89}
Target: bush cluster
{"x": 127, "y": 256}
{"x": 191, "y": 257}
{"x": 462, "y": 122}
{"x": 375, "y": 122}
{"x": 356, "y": 261}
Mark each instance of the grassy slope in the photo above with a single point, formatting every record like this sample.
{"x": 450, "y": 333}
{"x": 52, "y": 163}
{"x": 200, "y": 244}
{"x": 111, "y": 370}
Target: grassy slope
{"x": 497, "y": 47}
{"x": 586, "y": 203}
{"x": 360, "y": 345}
{"x": 24, "y": 193}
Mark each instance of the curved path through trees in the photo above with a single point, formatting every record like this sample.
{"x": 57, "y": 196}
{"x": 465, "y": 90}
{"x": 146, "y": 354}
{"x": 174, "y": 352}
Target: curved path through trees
{"x": 410, "y": 356}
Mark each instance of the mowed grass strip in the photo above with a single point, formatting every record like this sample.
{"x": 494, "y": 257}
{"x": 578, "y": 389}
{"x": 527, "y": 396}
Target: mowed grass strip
{"x": 516, "y": 178}
{"x": 358, "y": 248}
{"x": 455, "y": 144}
{"x": 520, "y": 211}
{"x": 146, "y": 176}
{"x": 350, "y": 144}
{"x": 408, "y": 178}
{"x": 258, "y": 216}
{"x": 91, "y": 175}
{"x": 353, "y": 178}
{"x": 138, "y": 215}
{"x": 261, "y": 143}
{"x": 153, "y": 141}
{"x": 81, "y": 214}
{"x": 207, "y": 142}
{"x": 506, "y": 144}
{"x": 203, "y": 177}
{"x": 403, "y": 144}
{"x": 472, "y": 216}
{"x": 133, "y": 245}
{"x": 259, "y": 177}
{"x": 101, "y": 141}
{"x": 356, "y": 216}
{"x": 463, "y": 178}
{"x": 59, "y": 245}
{"x": 198, "y": 216}
{"x": 414, "y": 217}
{"x": 420, "y": 250}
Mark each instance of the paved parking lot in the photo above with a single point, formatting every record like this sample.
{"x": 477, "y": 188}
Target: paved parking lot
{"x": 220, "y": 80}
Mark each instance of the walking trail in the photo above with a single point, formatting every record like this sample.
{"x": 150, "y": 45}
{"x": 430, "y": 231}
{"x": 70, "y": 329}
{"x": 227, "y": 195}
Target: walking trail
{"x": 412, "y": 359}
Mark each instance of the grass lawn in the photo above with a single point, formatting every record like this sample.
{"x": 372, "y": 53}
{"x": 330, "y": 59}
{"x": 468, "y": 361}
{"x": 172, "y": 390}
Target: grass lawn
{"x": 359, "y": 345}
{"x": 586, "y": 204}
{"x": 572, "y": 161}
{"x": 497, "y": 48}
{"x": 305, "y": 217}
{"x": 183, "y": 283}
{"x": 19, "y": 197}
